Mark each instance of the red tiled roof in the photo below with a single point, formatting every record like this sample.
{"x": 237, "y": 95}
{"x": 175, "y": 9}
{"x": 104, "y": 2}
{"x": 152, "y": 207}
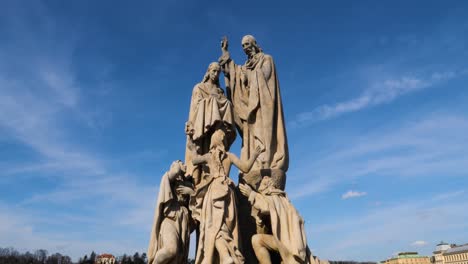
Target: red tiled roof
{"x": 106, "y": 256}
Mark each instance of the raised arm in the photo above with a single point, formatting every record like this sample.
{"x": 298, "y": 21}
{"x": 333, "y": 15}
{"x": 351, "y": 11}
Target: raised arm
{"x": 199, "y": 159}
{"x": 196, "y": 158}
{"x": 245, "y": 166}
{"x": 225, "y": 56}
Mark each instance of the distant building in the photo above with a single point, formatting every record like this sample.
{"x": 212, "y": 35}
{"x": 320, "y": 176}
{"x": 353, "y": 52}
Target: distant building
{"x": 450, "y": 254}
{"x": 408, "y": 258}
{"x": 105, "y": 259}
{"x": 438, "y": 257}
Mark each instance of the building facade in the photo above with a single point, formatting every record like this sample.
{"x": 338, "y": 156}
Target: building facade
{"x": 105, "y": 259}
{"x": 408, "y": 258}
{"x": 456, "y": 255}
{"x": 438, "y": 257}
{"x": 450, "y": 254}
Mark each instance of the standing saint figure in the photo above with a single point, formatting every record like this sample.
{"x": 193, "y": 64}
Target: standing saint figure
{"x": 254, "y": 91}
{"x": 209, "y": 110}
{"x": 170, "y": 234}
{"x": 216, "y": 204}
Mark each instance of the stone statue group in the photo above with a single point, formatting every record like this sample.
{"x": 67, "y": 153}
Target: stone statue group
{"x": 253, "y": 222}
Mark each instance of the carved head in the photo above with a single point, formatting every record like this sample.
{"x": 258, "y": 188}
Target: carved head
{"x": 212, "y": 73}
{"x": 178, "y": 168}
{"x": 218, "y": 139}
{"x": 265, "y": 184}
{"x": 250, "y": 46}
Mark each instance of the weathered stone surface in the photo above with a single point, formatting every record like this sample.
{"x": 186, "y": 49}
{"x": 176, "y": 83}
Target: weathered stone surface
{"x": 254, "y": 91}
{"x": 254, "y": 222}
{"x": 209, "y": 110}
{"x": 282, "y": 226}
{"x": 170, "y": 234}
{"x": 215, "y": 206}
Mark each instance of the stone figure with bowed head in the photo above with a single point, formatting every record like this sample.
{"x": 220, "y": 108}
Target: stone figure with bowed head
{"x": 254, "y": 91}
{"x": 170, "y": 234}
{"x": 216, "y": 208}
{"x": 286, "y": 233}
{"x": 209, "y": 110}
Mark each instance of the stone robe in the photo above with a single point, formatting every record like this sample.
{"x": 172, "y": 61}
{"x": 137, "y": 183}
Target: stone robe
{"x": 170, "y": 219}
{"x": 286, "y": 225}
{"x": 216, "y": 211}
{"x": 258, "y": 113}
{"x": 208, "y": 108}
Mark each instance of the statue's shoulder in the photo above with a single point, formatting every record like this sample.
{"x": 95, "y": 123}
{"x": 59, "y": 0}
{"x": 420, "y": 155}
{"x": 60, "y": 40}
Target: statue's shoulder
{"x": 267, "y": 56}
{"x": 199, "y": 88}
{"x": 267, "y": 59}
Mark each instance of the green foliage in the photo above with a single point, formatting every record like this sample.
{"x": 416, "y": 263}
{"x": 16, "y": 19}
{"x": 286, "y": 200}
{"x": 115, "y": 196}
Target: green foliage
{"x": 12, "y": 256}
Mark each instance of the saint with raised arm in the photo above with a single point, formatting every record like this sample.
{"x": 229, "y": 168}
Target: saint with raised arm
{"x": 254, "y": 91}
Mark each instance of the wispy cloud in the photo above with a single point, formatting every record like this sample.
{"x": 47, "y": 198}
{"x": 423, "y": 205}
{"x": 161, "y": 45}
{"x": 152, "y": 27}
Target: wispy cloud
{"x": 419, "y": 243}
{"x": 352, "y": 194}
{"x": 448, "y": 195}
{"x": 42, "y": 109}
{"x": 379, "y": 92}
{"x": 428, "y": 146}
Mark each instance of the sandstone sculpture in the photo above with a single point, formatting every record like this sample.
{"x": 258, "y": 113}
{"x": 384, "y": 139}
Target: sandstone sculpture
{"x": 170, "y": 234}
{"x": 254, "y": 91}
{"x": 209, "y": 110}
{"x": 216, "y": 206}
{"x": 243, "y": 224}
{"x": 286, "y": 234}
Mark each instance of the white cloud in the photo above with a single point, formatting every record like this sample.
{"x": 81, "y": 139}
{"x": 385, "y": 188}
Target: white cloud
{"x": 383, "y": 91}
{"x": 419, "y": 243}
{"x": 428, "y": 147}
{"x": 352, "y": 194}
{"x": 448, "y": 195}
{"x": 37, "y": 103}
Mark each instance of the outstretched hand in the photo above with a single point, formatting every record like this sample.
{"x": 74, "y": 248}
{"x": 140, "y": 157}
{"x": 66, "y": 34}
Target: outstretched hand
{"x": 225, "y": 57}
{"x": 245, "y": 189}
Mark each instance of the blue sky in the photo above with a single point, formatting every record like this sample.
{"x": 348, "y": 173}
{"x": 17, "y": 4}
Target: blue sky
{"x": 94, "y": 97}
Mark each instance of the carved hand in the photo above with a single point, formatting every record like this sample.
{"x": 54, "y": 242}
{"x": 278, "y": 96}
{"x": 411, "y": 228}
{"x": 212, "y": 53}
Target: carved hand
{"x": 224, "y": 58}
{"x": 185, "y": 190}
{"x": 224, "y": 44}
{"x": 258, "y": 150}
{"x": 245, "y": 189}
